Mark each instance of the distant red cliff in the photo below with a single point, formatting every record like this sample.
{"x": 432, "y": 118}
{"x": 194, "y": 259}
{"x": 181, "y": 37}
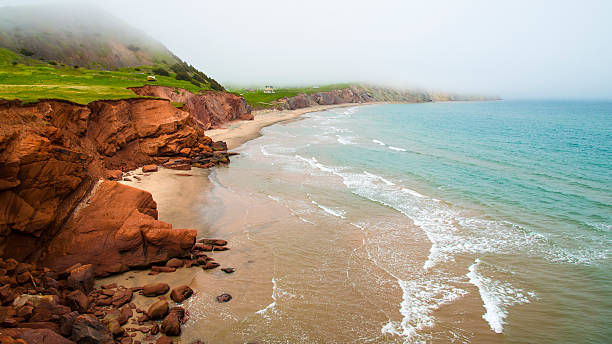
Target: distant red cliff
{"x": 343, "y": 96}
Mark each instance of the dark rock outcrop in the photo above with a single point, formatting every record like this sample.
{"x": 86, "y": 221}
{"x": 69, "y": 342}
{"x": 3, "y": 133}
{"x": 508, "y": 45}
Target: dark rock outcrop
{"x": 211, "y": 108}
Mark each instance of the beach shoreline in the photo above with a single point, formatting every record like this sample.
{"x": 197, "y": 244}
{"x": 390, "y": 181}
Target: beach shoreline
{"x": 238, "y": 132}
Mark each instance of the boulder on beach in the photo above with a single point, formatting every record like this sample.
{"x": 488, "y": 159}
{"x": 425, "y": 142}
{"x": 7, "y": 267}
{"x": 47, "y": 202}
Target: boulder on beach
{"x": 180, "y": 294}
{"x": 149, "y": 168}
{"x": 158, "y": 310}
{"x": 224, "y": 298}
{"x": 175, "y": 263}
{"x": 216, "y": 242}
{"x": 88, "y": 329}
{"x": 155, "y": 289}
{"x": 171, "y": 326}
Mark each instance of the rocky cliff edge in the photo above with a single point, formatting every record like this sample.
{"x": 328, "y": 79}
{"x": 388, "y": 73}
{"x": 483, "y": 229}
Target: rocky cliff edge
{"x": 57, "y": 204}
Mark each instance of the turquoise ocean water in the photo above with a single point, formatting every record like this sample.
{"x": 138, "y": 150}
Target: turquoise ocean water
{"x": 513, "y": 200}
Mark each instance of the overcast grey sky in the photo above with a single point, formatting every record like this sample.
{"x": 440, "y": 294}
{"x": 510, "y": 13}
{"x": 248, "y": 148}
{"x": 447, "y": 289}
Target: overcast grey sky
{"x": 543, "y": 49}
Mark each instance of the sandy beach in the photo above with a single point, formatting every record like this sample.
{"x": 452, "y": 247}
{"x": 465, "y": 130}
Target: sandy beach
{"x": 239, "y": 132}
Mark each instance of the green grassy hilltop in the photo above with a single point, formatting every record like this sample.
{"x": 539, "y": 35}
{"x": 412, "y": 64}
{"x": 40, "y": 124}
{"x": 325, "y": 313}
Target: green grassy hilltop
{"x": 258, "y": 99}
{"x": 29, "y": 80}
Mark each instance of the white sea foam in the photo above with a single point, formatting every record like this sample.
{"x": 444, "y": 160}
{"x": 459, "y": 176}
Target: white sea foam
{"x": 345, "y": 140}
{"x": 293, "y": 212}
{"x": 412, "y": 192}
{"x": 447, "y": 229}
{"x": 421, "y": 296}
{"x": 397, "y": 149}
{"x": 274, "y": 198}
{"x": 496, "y": 296}
{"x": 379, "y": 142}
{"x": 264, "y": 151}
{"x": 271, "y": 306}
{"x": 378, "y": 177}
{"x": 334, "y": 212}
{"x": 315, "y": 164}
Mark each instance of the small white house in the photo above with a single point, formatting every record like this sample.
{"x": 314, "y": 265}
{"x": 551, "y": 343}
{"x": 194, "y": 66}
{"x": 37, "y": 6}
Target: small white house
{"x": 269, "y": 89}
{"x": 151, "y": 78}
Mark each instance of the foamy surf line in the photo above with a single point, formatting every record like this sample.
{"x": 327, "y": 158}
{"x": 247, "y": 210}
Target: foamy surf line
{"x": 390, "y": 183}
{"x": 337, "y": 213}
{"x": 496, "y": 297}
{"x": 272, "y": 305}
{"x": 397, "y": 149}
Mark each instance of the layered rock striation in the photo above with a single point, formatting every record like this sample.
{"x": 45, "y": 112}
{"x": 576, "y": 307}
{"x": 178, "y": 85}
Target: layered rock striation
{"x": 55, "y": 210}
{"x": 211, "y": 108}
{"x": 343, "y": 96}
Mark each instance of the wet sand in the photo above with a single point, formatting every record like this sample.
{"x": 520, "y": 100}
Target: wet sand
{"x": 297, "y": 280}
{"x": 238, "y": 132}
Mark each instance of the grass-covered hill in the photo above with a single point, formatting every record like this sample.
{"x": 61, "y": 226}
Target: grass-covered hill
{"x": 82, "y": 53}
{"x": 82, "y": 35}
{"x": 28, "y": 79}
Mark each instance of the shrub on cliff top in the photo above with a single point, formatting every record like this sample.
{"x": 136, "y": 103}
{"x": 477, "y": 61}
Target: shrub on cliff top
{"x": 183, "y": 76}
{"x": 160, "y": 71}
{"x": 26, "y": 52}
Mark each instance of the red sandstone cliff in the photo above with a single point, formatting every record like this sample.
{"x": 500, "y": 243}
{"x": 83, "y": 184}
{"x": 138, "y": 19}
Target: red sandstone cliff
{"x": 52, "y": 154}
{"x": 343, "y": 96}
{"x": 211, "y": 108}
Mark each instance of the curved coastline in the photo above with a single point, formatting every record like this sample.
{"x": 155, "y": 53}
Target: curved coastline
{"x": 238, "y": 132}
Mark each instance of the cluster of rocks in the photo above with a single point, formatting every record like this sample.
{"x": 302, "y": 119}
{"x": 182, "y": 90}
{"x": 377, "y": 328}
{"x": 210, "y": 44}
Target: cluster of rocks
{"x": 40, "y": 305}
{"x": 197, "y": 257}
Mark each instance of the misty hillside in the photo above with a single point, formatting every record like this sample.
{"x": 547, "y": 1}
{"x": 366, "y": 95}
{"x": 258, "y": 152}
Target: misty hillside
{"x": 78, "y": 35}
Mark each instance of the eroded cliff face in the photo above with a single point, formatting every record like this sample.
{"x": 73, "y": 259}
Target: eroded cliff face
{"x": 211, "y": 108}
{"x": 347, "y": 95}
{"x": 53, "y": 153}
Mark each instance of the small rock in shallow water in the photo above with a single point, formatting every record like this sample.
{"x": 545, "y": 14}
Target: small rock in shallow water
{"x": 228, "y": 270}
{"x": 210, "y": 265}
{"x": 180, "y": 294}
{"x": 224, "y": 298}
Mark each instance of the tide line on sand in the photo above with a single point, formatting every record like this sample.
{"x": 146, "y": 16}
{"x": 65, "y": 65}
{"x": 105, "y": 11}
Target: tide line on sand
{"x": 242, "y": 131}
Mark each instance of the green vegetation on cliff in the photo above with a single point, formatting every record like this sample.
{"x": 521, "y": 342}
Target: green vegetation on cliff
{"x": 81, "y": 53}
{"x": 27, "y": 79}
{"x": 260, "y": 100}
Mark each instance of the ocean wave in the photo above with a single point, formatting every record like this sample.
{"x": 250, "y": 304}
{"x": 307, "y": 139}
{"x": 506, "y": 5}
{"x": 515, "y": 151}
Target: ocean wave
{"x": 379, "y": 142}
{"x": 397, "y": 149}
{"x": 378, "y": 177}
{"x": 291, "y": 210}
{"x": 271, "y": 307}
{"x": 334, "y": 212}
{"x": 345, "y": 140}
{"x": 449, "y": 231}
{"x": 412, "y": 192}
{"x": 496, "y": 296}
